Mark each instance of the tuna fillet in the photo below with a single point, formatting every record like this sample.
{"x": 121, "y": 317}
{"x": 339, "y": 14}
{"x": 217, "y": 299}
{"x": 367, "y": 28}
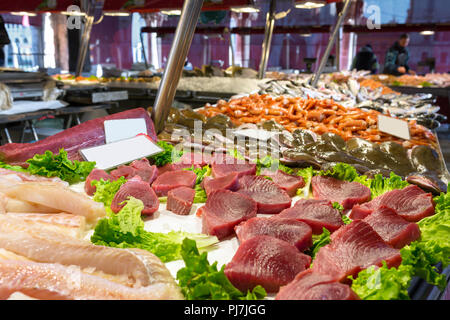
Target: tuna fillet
{"x": 265, "y": 261}
{"x": 180, "y": 200}
{"x": 127, "y": 172}
{"x": 224, "y": 210}
{"x": 223, "y": 165}
{"x": 269, "y": 197}
{"x": 228, "y": 182}
{"x": 309, "y": 285}
{"x": 318, "y": 214}
{"x": 345, "y": 193}
{"x": 175, "y": 167}
{"x": 95, "y": 174}
{"x": 295, "y": 232}
{"x": 138, "y": 189}
{"x": 410, "y": 203}
{"x": 173, "y": 179}
{"x": 87, "y": 134}
{"x": 394, "y": 230}
{"x": 143, "y": 169}
{"x": 288, "y": 182}
{"x": 353, "y": 248}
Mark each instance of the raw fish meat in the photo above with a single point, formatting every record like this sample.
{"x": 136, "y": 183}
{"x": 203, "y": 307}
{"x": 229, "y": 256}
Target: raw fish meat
{"x": 265, "y": 261}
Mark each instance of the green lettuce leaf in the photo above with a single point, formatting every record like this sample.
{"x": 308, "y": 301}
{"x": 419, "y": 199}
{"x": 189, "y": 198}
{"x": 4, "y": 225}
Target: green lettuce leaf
{"x": 380, "y": 185}
{"x": 318, "y": 242}
{"x": 51, "y": 165}
{"x": 200, "y": 280}
{"x": 126, "y": 230}
{"x": 307, "y": 174}
{"x": 338, "y": 206}
{"x": 168, "y": 155}
{"x": 274, "y": 164}
{"x": 346, "y": 219}
{"x": 383, "y": 283}
{"x": 13, "y": 168}
{"x": 422, "y": 257}
{"x": 200, "y": 193}
{"x": 106, "y": 190}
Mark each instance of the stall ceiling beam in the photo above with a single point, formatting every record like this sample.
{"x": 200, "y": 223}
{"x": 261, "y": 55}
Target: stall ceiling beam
{"x": 175, "y": 63}
{"x": 307, "y": 29}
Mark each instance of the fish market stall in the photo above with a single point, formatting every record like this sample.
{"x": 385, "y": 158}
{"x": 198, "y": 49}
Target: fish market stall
{"x": 332, "y": 187}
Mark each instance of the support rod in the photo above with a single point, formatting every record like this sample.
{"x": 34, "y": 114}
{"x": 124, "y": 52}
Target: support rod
{"x": 92, "y": 7}
{"x": 330, "y": 45}
{"x": 268, "y": 32}
{"x": 177, "y": 57}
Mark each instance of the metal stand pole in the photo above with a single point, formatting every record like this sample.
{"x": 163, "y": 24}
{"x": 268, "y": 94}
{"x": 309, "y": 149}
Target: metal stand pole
{"x": 270, "y": 23}
{"x": 92, "y": 6}
{"x": 177, "y": 57}
{"x": 331, "y": 42}
{"x": 143, "y": 50}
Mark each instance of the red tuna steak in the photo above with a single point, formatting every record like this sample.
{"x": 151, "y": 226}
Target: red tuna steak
{"x": 292, "y": 231}
{"x": 288, "y": 182}
{"x": 270, "y": 198}
{"x": 95, "y": 174}
{"x": 228, "y": 182}
{"x": 318, "y": 214}
{"x": 138, "y": 189}
{"x": 394, "y": 230}
{"x": 224, "y": 210}
{"x": 410, "y": 203}
{"x": 173, "y": 179}
{"x": 353, "y": 248}
{"x": 309, "y": 285}
{"x": 346, "y": 193}
{"x": 265, "y": 261}
{"x": 180, "y": 200}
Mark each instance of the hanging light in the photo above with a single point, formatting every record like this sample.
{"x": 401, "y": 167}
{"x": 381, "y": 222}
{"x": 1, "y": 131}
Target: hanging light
{"x": 310, "y": 4}
{"x": 305, "y": 35}
{"x": 116, "y": 13}
{"x": 245, "y": 9}
{"x": 175, "y": 12}
{"x": 24, "y": 13}
{"x": 427, "y": 32}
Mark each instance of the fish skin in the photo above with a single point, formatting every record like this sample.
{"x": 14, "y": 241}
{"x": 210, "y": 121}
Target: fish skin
{"x": 57, "y": 197}
{"x": 58, "y": 282}
{"x": 41, "y": 244}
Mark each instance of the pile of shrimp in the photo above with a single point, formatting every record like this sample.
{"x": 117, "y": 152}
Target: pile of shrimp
{"x": 374, "y": 85}
{"x": 319, "y": 116}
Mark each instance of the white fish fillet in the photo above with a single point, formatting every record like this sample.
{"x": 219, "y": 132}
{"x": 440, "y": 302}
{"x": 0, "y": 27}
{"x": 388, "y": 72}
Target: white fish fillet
{"x": 57, "y": 197}
{"x": 36, "y": 242}
{"x": 8, "y": 204}
{"x": 24, "y": 177}
{"x": 68, "y": 224}
{"x": 55, "y": 281}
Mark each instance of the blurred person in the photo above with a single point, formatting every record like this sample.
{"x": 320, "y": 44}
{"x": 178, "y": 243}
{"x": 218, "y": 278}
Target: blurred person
{"x": 396, "y": 62}
{"x": 365, "y": 59}
{"x": 4, "y": 40}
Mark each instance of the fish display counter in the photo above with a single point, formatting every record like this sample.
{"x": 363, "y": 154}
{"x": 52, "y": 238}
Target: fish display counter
{"x": 262, "y": 196}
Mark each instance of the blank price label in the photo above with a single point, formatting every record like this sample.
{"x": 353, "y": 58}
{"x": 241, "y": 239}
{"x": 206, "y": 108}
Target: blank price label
{"x": 396, "y": 127}
{"x": 113, "y": 154}
{"x": 116, "y": 130}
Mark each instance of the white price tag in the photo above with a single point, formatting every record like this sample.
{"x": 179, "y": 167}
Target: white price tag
{"x": 258, "y": 134}
{"x": 116, "y": 130}
{"x": 113, "y": 154}
{"x": 396, "y": 127}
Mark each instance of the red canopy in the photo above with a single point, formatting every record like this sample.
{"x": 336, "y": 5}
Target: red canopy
{"x": 114, "y": 5}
